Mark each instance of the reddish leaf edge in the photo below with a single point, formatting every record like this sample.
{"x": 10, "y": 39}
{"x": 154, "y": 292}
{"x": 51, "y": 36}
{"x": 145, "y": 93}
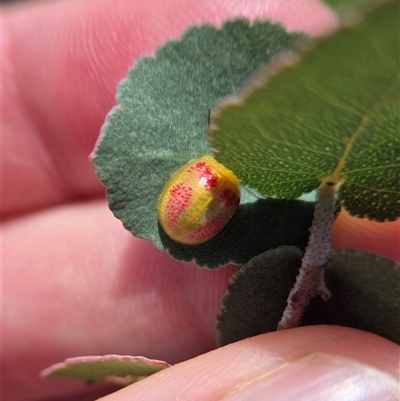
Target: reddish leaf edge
{"x": 52, "y": 370}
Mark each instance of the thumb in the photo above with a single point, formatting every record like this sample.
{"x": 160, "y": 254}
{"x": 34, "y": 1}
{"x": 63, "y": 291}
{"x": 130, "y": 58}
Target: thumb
{"x": 307, "y": 363}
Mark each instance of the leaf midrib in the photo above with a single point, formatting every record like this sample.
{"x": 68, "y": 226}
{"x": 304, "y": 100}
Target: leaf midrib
{"x": 336, "y": 176}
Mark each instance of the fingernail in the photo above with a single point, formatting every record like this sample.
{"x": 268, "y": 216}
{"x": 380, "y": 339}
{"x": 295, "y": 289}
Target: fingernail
{"x": 319, "y": 377}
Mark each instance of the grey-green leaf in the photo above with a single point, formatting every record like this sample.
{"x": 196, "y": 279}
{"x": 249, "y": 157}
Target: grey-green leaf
{"x": 162, "y": 117}
{"x": 365, "y": 292}
{"x": 338, "y": 3}
{"x": 255, "y": 228}
{"x": 256, "y": 295}
{"x": 331, "y": 112}
{"x": 364, "y": 289}
{"x": 111, "y": 368}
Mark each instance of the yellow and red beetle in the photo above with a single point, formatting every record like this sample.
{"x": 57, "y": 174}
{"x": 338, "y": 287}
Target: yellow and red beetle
{"x": 198, "y": 201}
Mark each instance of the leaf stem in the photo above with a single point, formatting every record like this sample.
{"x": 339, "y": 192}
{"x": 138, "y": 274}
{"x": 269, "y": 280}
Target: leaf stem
{"x": 309, "y": 281}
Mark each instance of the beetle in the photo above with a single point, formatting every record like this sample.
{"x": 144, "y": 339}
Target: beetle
{"x": 198, "y": 201}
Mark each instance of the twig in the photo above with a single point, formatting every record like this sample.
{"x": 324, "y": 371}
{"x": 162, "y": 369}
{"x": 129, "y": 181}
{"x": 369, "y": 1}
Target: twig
{"x": 309, "y": 281}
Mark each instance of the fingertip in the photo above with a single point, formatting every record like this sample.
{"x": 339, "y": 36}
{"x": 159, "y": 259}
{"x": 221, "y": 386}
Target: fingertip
{"x": 316, "y": 360}
{"x": 62, "y": 62}
{"x": 319, "y": 377}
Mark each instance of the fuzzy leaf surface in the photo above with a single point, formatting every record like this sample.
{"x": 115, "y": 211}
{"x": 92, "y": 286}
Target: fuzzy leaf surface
{"x": 257, "y": 293}
{"x": 111, "y": 368}
{"x": 161, "y": 120}
{"x": 255, "y": 227}
{"x": 338, "y": 3}
{"x": 365, "y": 292}
{"x": 328, "y": 113}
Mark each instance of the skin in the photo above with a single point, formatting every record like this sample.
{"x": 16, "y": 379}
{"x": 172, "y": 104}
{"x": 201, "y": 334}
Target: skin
{"x": 76, "y": 283}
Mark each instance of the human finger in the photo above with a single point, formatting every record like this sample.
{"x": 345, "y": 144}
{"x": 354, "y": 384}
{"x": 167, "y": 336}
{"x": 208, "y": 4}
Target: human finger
{"x": 60, "y": 73}
{"x": 306, "y": 363}
{"x": 75, "y": 282}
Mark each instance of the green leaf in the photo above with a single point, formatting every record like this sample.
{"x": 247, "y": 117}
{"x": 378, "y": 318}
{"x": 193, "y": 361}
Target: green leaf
{"x": 364, "y": 289}
{"x": 329, "y": 113}
{"x": 356, "y": 5}
{"x": 111, "y": 368}
{"x": 162, "y": 116}
{"x": 256, "y": 295}
{"x": 338, "y": 3}
{"x": 255, "y": 228}
{"x": 365, "y": 292}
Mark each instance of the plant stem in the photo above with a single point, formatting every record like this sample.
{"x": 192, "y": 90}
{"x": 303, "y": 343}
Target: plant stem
{"x": 309, "y": 281}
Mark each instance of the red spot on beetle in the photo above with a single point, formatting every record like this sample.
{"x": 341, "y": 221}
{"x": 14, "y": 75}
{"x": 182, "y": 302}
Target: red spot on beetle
{"x": 229, "y": 198}
{"x": 198, "y": 201}
{"x": 179, "y": 201}
{"x": 207, "y": 178}
{"x": 209, "y": 229}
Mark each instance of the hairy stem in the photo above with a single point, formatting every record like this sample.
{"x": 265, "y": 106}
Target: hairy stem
{"x": 309, "y": 281}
